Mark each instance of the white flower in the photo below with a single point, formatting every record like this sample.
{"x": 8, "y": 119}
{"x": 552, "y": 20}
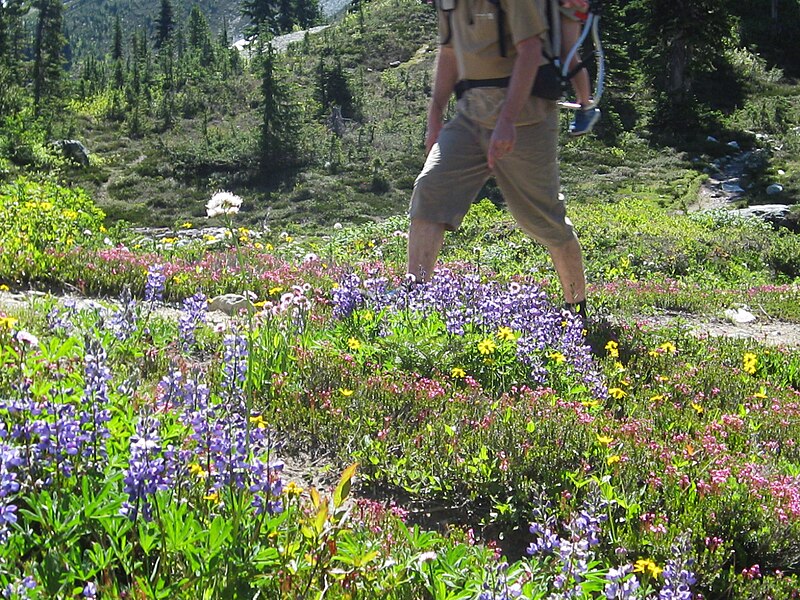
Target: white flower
{"x": 223, "y": 203}
{"x": 26, "y": 337}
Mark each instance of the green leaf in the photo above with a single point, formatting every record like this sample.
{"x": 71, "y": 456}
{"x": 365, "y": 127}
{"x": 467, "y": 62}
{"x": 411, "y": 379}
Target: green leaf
{"x": 342, "y": 490}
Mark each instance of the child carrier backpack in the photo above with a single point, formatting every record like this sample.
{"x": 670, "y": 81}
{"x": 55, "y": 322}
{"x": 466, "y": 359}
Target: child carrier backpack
{"x": 553, "y": 77}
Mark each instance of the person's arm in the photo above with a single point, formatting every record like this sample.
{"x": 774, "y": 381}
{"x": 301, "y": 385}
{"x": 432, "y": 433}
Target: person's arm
{"x": 526, "y": 65}
{"x": 444, "y": 82}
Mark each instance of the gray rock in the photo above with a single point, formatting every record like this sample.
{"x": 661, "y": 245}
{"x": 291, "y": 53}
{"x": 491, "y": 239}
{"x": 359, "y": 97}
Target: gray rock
{"x": 230, "y": 304}
{"x": 734, "y": 144}
{"x": 777, "y": 215}
{"x": 73, "y": 150}
{"x": 740, "y": 315}
{"x": 773, "y": 189}
{"x": 732, "y": 188}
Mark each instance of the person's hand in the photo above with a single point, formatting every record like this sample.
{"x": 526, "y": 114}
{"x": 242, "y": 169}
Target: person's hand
{"x": 432, "y": 135}
{"x": 502, "y": 142}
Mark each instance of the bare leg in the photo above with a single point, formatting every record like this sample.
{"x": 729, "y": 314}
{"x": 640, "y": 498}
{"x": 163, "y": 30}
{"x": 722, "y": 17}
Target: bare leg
{"x": 570, "y": 32}
{"x": 424, "y": 244}
{"x": 568, "y": 262}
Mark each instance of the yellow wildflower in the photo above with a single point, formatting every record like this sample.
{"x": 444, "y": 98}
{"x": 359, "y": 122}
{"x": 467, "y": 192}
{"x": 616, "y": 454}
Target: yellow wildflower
{"x": 198, "y": 471}
{"x": 186, "y": 225}
{"x": 612, "y": 348}
{"x": 346, "y": 392}
{"x": 749, "y": 363}
{"x": 4, "y": 288}
{"x": 487, "y": 346}
{"x": 613, "y": 459}
{"x": 506, "y": 334}
{"x": 292, "y": 489}
{"x": 617, "y": 393}
{"x": 275, "y": 290}
{"x": 557, "y": 357}
{"x": 658, "y": 398}
{"x": 7, "y": 322}
{"x": 354, "y": 344}
{"x": 645, "y": 565}
{"x": 668, "y": 347}
{"x": 259, "y": 421}
{"x": 212, "y": 497}
{"x": 697, "y": 408}
{"x": 604, "y": 440}
{"x": 458, "y": 372}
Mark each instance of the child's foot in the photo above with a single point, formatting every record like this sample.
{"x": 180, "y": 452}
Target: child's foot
{"x": 584, "y": 121}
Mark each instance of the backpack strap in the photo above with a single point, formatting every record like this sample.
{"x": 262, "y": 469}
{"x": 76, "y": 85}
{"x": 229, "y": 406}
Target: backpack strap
{"x": 501, "y": 27}
{"x": 447, "y": 7}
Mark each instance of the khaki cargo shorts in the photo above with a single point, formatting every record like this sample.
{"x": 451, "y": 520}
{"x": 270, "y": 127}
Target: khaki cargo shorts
{"x": 456, "y": 170}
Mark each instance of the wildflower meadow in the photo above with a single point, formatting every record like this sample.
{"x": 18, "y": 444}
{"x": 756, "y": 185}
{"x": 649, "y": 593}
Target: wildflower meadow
{"x": 346, "y": 436}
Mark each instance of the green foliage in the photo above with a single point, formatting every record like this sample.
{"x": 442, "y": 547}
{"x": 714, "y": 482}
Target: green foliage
{"x": 39, "y": 218}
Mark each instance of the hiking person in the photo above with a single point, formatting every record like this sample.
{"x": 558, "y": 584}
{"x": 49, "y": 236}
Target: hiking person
{"x": 573, "y": 15}
{"x": 499, "y": 129}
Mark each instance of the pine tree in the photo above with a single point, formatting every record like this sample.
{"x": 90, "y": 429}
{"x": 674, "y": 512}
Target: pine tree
{"x": 285, "y": 17}
{"x": 307, "y": 13}
{"x": 200, "y": 37}
{"x": 48, "y": 49}
{"x": 165, "y": 24}
{"x": 279, "y": 126}
{"x": 681, "y": 39}
{"x": 261, "y": 14}
{"x": 116, "y": 48}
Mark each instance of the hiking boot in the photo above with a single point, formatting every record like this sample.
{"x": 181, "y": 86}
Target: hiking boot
{"x": 584, "y": 121}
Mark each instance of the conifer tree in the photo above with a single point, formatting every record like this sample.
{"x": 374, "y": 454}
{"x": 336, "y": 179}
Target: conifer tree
{"x": 49, "y": 42}
{"x": 165, "y": 24}
{"x": 279, "y": 125}
{"x": 307, "y": 13}
{"x": 681, "y": 39}
{"x": 116, "y": 47}
{"x": 116, "y": 55}
{"x": 261, "y": 15}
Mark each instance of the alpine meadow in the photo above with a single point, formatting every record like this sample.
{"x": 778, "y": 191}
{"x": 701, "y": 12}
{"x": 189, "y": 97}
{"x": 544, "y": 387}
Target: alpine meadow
{"x": 218, "y": 382}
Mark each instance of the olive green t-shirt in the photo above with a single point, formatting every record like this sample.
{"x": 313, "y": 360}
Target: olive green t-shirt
{"x": 471, "y": 30}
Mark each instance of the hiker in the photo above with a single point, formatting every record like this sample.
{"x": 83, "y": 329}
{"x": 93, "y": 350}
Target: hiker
{"x": 573, "y": 15}
{"x": 499, "y": 129}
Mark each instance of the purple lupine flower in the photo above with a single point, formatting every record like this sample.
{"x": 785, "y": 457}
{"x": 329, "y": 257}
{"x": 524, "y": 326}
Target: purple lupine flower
{"x": 234, "y": 370}
{"x": 123, "y": 322}
{"x": 267, "y": 487}
{"x": 194, "y": 313}
{"x": 60, "y": 318}
{"x": 156, "y": 281}
{"x": 678, "y": 578}
{"x": 95, "y": 414}
{"x": 151, "y": 468}
{"x": 572, "y": 552}
{"x": 10, "y": 461}
{"x": 19, "y": 590}
{"x": 497, "y": 587}
{"x": 90, "y": 590}
{"x": 620, "y": 584}
{"x": 347, "y": 297}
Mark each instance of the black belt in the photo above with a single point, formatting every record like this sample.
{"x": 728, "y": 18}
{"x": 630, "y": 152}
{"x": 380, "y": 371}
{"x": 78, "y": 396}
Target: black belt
{"x": 468, "y": 84}
{"x": 549, "y": 84}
